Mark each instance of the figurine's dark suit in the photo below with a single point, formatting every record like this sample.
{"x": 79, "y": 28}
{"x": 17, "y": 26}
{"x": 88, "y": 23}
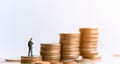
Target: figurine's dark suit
{"x": 30, "y": 43}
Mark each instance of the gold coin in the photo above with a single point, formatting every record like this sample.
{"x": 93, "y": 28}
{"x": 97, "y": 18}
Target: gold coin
{"x": 57, "y": 56}
{"x": 92, "y": 56}
{"x": 88, "y": 46}
{"x": 69, "y": 35}
{"x": 43, "y": 62}
{"x": 25, "y": 59}
{"x": 70, "y": 62}
{"x": 88, "y": 39}
{"x": 82, "y": 60}
{"x": 51, "y": 58}
{"x": 70, "y": 53}
{"x": 52, "y": 44}
{"x": 87, "y": 50}
{"x": 88, "y": 53}
{"x": 89, "y": 56}
{"x": 43, "y": 55}
{"x": 89, "y": 35}
{"x": 50, "y": 49}
{"x": 88, "y": 30}
{"x": 70, "y": 42}
{"x": 56, "y": 63}
{"x": 28, "y": 61}
{"x": 70, "y": 46}
{"x": 70, "y": 49}
{"x": 88, "y": 43}
{"x": 31, "y": 58}
{"x": 49, "y": 53}
{"x": 70, "y": 39}
{"x": 69, "y": 56}
{"x": 67, "y": 60}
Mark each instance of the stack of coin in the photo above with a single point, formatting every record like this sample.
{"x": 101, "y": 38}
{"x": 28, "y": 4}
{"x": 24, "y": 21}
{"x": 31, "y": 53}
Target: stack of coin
{"x": 88, "y": 43}
{"x": 30, "y": 60}
{"x": 50, "y": 52}
{"x": 69, "y": 46}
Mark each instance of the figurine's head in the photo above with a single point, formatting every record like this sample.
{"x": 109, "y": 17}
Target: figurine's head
{"x": 30, "y": 38}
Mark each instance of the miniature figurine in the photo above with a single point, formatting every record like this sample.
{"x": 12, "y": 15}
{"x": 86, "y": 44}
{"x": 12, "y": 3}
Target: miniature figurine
{"x": 30, "y": 43}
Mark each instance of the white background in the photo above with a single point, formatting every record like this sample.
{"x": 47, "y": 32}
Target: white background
{"x": 45, "y": 19}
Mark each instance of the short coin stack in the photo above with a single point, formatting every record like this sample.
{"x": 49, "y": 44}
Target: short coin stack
{"x": 50, "y": 52}
{"x": 30, "y": 60}
{"x": 69, "y": 46}
{"x": 88, "y": 43}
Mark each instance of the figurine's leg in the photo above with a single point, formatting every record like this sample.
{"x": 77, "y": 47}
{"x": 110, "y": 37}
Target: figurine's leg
{"x": 29, "y": 52}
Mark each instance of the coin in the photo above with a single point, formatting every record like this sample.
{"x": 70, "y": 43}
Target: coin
{"x": 43, "y": 62}
{"x": 70, "y": 62}
{"x": 70, "y": 50}
{"x": 70, "y": 39}
{"x": 70, "y": 42}
{"x": 70, "y": 53}
{"x": 25, "y": 59}
{"x": 56, "y": 63}
{"x": 51, "y": 44}
{"x": 57, "y": 56}
{"x": 69, "y": 56}
{"x": 93, "y": 58}
{"x": 49, "y": 54}
{"x": 88, "y": 30}
{"x": 68, "y": 59}
{"x": 88, "y": 43}
{"x": 88, "y": 46}
{"x": 89, "y": 52}
{"x": 56, "y": 47}
{"x": 70, "y": 46}
{"x": 88, "y": 35}
{"x": 69, "y": 35}
{"x": 50, "y": 49}
{"x": 88, "y": 39}
{"x": 88, "y": 49}
{"x": 31, "y": 58}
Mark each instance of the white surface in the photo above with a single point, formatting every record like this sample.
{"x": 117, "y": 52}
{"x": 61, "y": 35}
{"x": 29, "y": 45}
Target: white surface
{"x": 45, "y": 19}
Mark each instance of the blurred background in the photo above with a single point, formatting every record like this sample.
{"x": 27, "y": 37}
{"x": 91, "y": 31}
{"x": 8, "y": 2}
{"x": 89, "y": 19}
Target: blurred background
{"x": 45, "y": 19}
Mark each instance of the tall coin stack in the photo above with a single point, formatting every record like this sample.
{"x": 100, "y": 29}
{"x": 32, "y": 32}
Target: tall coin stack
{"x": 88, "y": 43}
{"x": 50, "y": 52}
{"x": 69, "y": 46}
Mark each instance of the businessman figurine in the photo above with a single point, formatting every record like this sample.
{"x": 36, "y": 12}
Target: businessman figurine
{"x": 30, "y": 51}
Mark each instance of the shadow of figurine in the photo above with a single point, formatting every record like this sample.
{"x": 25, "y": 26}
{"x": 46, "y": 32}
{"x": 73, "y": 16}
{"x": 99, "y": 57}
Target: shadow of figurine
{"x": 30, "y": 51}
